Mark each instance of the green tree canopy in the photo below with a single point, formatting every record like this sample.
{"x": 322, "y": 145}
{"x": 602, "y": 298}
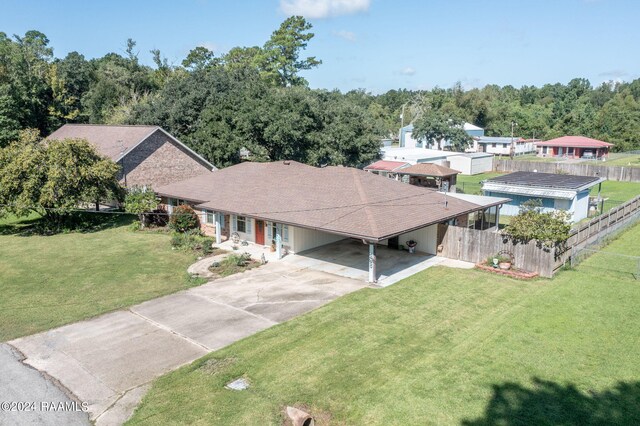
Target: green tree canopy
{"x": 54, "y": 178}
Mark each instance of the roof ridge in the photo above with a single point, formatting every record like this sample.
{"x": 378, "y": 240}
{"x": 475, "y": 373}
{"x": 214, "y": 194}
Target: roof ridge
{"x": 110, "y": 125}
{"x": 364, "y": 200}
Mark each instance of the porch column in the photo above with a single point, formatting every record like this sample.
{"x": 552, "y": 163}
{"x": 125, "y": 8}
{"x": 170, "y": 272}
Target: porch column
{"x": 279, "y": 241}
{"x": 372, "y": 263}
{"x": 218, "y": 228}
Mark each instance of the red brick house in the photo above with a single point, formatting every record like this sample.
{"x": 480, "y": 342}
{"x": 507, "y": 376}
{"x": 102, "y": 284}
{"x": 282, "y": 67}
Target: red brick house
{"x": 148, "y": 155}
{"x": 573, "y": 147}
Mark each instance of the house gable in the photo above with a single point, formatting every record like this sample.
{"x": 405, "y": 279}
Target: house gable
{"x": 159, "y": 159}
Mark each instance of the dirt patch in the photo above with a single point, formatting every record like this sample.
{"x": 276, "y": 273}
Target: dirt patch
{"x": 320, "y": 417}
{"x": 216, "y": 365}
{"x": 513, "y": 273}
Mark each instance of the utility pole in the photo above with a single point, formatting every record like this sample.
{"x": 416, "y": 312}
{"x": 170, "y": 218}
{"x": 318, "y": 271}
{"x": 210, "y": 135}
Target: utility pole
{"x": 512, "y": 150}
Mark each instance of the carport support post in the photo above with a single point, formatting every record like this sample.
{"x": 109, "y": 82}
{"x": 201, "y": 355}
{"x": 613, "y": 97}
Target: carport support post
{"x": 372, "y": 263}
{"x": 279, "y": 241}
{"x": 218, "y": 229}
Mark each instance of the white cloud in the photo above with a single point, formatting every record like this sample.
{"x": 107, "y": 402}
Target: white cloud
{"x": 347, "y": 35}
{"x": 323, "y": 8}
{"x": 614, "y": 74}
{"x": 408, "y": 71}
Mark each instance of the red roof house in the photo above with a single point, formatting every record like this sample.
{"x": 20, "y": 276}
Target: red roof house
{"x": 573, "y": 147}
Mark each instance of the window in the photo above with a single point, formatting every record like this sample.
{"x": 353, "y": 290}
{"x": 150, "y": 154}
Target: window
{"x": 241, "y": 224}
{"x": 210, "y": 217}
{"x": 271, "y": 232}
{"x": 493, "y": 145}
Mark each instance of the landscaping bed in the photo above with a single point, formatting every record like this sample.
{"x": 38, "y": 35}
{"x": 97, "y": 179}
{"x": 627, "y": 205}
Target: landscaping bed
{"x": 233, "y": 264}
{"x": 513, "y": 273}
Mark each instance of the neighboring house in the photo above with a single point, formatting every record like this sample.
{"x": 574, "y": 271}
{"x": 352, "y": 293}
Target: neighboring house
{"x": 148, "y": 155}
{"x": 503, "y": 145}
{"x": 557, "y": 192}
{"x": 574, "y": 147}
{"x": 467, "y": 163}
{"x": 407, "y": 140}
{"x": 386, "y": 168}
{"x": 300, "y": 207}
{"x": 430, "y": 175}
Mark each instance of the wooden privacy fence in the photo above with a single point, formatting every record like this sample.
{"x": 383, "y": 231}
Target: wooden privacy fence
{"x": 618, "y": 173}
{"x": 476, "y": 246}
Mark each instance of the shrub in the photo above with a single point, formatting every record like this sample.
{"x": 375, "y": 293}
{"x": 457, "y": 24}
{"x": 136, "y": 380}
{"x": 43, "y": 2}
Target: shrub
{"x": 531, "y": 223}
{"x": 184, "y": 219}
{"x": 140, "y": 200}
{"x": 192, "y": 240}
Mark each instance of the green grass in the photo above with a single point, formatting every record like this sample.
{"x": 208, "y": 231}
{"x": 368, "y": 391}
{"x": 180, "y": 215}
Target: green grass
{"x": 471, "y": 184}
{"x": 621, "y": 160}
{"x": 535, "y": 158}
{"x": 444, "y": 346}
{"x": 616, "y": 192}
{"x": 47, "y": 281}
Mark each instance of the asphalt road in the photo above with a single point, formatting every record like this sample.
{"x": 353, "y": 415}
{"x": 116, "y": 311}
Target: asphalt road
{"x": 29, "y": 398}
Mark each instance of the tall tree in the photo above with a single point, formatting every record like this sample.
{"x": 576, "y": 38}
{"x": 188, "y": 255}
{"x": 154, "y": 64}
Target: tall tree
{"x": 282, "y": 52}
{"x": 435, "y": 128}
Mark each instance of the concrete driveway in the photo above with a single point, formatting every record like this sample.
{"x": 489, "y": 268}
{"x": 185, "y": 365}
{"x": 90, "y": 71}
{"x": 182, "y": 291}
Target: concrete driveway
{"x": 109, "y": 361}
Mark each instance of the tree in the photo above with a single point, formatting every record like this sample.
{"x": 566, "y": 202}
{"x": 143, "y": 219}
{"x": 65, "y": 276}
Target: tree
{"x": 549, "y": 228}
{"x": 435, "y": 127}
{"x": 281, "y": 52}
{"x": 55, "y": 177}
{"x": 140, "y": 201}
{"x": 199, "y": 58}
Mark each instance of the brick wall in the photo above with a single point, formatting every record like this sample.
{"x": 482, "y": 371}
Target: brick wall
{"x": 160, "y": 161}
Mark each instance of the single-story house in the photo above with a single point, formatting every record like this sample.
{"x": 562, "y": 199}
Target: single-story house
{"x": 386, "y": 168}
{"x": 557, "y": 192}
{"x": 407, "y": 141}
{"x": 502, "y": 145}
{"x": 468, "y": 163}
{"x": 574, "y": 147}
{"x": 430, "y": 175}
{"x": 148, "y": 155}
{"x": 298, "y": 207}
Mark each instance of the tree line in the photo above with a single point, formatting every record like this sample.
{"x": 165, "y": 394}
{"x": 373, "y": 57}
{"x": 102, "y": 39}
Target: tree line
{"x": 255, "y": 98}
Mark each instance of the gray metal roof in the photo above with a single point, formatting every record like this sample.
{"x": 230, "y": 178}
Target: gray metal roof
{"x": 546, "y": 180}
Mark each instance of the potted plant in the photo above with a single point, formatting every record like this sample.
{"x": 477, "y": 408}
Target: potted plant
{"x": 500, "y": 261}
{"x": 412, "y": 246}
{"x": 273, "y": 245}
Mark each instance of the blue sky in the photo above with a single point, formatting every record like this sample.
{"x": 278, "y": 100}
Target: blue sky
{"x": 376, "y": 45}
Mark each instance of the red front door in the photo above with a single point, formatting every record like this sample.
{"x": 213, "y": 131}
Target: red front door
{"x": 260, "y": 232}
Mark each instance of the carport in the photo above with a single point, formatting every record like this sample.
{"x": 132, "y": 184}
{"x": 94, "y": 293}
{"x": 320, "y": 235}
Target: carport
{"x": 349, "y": 258}
{"x": 295, "y": 208}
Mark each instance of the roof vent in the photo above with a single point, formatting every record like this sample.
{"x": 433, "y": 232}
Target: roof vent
{"x": 286, "y": 162}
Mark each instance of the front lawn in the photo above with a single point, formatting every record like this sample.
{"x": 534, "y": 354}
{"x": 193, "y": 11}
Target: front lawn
{"x": 444, "y": 346}
{"x": 47, "y": 281}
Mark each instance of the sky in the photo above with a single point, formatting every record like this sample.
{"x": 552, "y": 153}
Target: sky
{"x": 376, "y": 45}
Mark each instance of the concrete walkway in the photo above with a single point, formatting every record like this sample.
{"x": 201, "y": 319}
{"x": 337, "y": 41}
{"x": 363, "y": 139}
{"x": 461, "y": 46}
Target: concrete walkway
{"x": 109, "y": 361}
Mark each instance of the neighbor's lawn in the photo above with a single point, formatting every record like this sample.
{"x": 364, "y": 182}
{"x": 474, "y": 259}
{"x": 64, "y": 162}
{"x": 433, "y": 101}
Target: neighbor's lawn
{"x": 442, "y": 347}
{"x": 471, "y": 184}
{"x": 625, "y": 161}
{"x": 616, "y": 192}
{"x": 47, "y": 281}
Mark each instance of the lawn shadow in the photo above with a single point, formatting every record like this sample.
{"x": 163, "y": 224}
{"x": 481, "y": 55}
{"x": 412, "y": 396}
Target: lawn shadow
{"x": 82, "y": 222}
{"x": 550, "y": 403}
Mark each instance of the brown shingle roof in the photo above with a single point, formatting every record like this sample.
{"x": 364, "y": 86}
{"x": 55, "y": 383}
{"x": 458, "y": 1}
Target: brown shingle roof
{"x": 110, "y": 141}
{"x": 339, "y": 200}
{"x": 428, "y": 169}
